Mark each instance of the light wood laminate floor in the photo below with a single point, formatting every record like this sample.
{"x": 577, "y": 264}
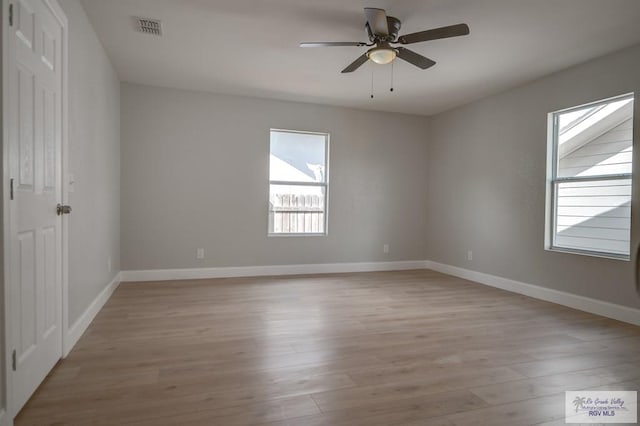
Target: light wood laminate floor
{"x": 367, "y": 349}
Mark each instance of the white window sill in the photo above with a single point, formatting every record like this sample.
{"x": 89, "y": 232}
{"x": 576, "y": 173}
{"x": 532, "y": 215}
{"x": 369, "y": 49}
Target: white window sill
{"x": 315, "y": 234}
{"x": 613, "y": 256}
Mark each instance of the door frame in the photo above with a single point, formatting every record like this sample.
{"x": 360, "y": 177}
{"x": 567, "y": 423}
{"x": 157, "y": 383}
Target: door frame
{"x": 7, "y": 337}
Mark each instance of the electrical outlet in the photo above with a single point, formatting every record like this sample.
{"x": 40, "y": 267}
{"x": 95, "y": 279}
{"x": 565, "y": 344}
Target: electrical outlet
{"x": 385, "y": 248}
{"x": 200, "y": 253}
{"x": 109, "y": 264}
{"x": 469, "y": 255}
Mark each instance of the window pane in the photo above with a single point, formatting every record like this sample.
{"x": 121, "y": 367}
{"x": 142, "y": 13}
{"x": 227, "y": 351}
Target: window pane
{"x": 296, "y": 209}
{"x": 297, "y": 157}
{"x": 595, "y": 140}
{"x": 594, "y": 215}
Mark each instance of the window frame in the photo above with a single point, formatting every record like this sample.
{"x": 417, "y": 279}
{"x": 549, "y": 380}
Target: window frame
{"x": 324, "y": 185}
{"x": 553, "y": 181}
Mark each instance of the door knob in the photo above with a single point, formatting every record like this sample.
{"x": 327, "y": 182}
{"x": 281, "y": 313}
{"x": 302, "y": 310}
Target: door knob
{"x": 60, "y": 209}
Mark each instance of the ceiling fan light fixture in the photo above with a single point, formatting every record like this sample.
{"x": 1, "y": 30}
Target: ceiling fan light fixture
{"x": 382, "y": 55}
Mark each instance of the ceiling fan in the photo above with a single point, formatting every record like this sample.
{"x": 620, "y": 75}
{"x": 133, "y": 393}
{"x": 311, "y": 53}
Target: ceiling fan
{"x": 382, "y": 31}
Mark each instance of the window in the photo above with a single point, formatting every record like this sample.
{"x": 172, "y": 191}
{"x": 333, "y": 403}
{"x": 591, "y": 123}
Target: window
{"x": 590, "y": 178}
{"x": 298, "y": 183}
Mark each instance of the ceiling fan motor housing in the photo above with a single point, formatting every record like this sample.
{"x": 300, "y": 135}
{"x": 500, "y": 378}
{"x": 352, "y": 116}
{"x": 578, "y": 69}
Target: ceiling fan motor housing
{"x": 394, "y": 27}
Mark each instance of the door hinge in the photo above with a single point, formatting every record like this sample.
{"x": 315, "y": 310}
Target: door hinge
{"x": 11, "y": 14}
{"x": 13, "y": 361}
{"x": 11, "y": 188}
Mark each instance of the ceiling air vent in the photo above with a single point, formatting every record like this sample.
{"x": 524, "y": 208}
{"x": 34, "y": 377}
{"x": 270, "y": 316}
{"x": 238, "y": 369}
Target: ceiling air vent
{"x": 149, "y": 26}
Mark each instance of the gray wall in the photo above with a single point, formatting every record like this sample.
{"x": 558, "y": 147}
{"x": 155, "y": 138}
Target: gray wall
{"x": 94, "y": 159}
{"x": 195, "y": 174}
{"x": 486, "y": 178}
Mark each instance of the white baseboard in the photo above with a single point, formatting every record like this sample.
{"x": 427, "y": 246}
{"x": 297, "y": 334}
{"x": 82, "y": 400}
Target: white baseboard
{"x": 3, "y": 418}
{"x": 271, "y": 270}
{"x": 582, "y": 303}
{"x": 80, "y": 326}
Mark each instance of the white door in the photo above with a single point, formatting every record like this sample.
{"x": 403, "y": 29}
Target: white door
{"x": 34, "y": 62}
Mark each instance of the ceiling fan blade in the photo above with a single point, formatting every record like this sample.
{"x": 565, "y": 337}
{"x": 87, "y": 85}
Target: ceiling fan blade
{"x": 377, "y": 20}
{"x": 435, "y": 34}
{"x": 356, "y": 64}
{"x": 332, "y": 44}
{"x": 415, "y": 58}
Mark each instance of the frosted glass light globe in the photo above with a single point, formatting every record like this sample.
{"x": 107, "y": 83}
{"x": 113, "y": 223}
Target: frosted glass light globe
{"x": 382, "y": 55}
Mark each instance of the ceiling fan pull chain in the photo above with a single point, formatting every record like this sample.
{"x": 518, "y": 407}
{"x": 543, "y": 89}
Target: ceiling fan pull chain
{"x": 371, "y": 82}
{"x": 391, "y": 88}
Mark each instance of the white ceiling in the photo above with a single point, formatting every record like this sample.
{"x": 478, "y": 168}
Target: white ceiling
{"x": 250, "y": 47}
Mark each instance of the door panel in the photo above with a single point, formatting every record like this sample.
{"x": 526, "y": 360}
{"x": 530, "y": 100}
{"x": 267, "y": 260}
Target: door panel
{"x": 49, "y": 265}
{"x": 26, "y": 302}
{"x": 26, "y": 82}
{"x": 49, "y": 102}
{"x": 25, "y": 23}
{"x": 34, "y": 147}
